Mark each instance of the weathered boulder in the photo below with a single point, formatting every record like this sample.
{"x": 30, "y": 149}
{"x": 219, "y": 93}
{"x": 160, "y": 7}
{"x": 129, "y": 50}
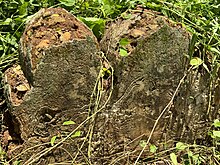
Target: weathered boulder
{"x": 148, "y": 54}
{"x": 144, "y": 80}
{"x": 59, "y": 58}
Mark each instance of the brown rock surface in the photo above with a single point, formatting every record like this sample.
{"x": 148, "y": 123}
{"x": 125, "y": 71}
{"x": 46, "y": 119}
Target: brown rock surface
{"x": 114, "y": 104}
{"x": 59, "y": 58}
{"x": 147, "y": 88}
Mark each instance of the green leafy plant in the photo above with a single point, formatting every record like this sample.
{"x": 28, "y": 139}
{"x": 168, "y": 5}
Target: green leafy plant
{"x": 122, "y": 47}
{"x": 70, "y": 122}
{"x": 52, "y": 140}
{"x": 74, "y": 135}
{"x": 143, "y": 143}
{"x": 2, "y": 155}
{"x": 123, "y": 52}
{"x": 188, "y": 154}
{"x": 196, "y": 62}
{"x": 97, "y": 25}
{"x": 153, "y": 148}
{"x": 215, "y": 133}
{"x": 173, "y": 158}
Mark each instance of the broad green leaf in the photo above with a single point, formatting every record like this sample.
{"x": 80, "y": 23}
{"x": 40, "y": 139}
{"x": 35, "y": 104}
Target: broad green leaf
{"x": 126, "y": 15}
{"x": 23, "y": 9}
{"x": 214, "y": 50}
{"x": 173, "y": 158}
{"x": 104, "y": 69}
{"x": 123, "y": 52}
{"x": 190, "y": 154}
{"x": 196, "y": 61}
{"x": 91, "y": 19}
{"x": 153, "y": 5}
{"x": 153, "y": 148}
{"x": 76, "y": 134}
{"x": 195, "y": 158}
{"x": 124, "y": 42}
{"x": 68, "y": 2}
{"x": 105, "y": 72}
{"x": 69, "y": 122}
{"x": 52, "y": 141}
{"x": 180, "y": 146}
{"x": 143, "y": 143}
{"x": 206, "y": 67}
{"x": 6, "y": 22}
{"x": 216, "y": 123}
{"x": 17, "y": 162}
{"x": 192, "y": 45}
{"x": 96, "y": 24}
{"x": 210, "y": 133}
{"x": 11, "y": 40}
{"x": 1, "y": 47}
{"x": 102, "y": 73}
{"x": 216, "y": 134}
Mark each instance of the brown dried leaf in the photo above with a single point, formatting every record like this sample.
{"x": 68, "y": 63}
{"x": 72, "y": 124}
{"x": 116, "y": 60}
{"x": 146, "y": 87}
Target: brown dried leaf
{"x": 6, "y": 137}
{"x": 40, "y": 34}
{"x": 137, "y": 33}
{"x": 153, "y": 27}
{"x": 53, "y": 37}
{"x": 55, "y": 15}
{"x": 29, "y": 33}
{"x": 43, "y": 43}
{"x": 17, "y": 70}
{"x": 55, "y": 18}
{"x": 22, "y": 88}
{"x": 65, "y": 37}
{"x": 37, "y": 24}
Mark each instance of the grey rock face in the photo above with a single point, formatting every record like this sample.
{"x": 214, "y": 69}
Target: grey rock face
{"x": 59, "y": 58}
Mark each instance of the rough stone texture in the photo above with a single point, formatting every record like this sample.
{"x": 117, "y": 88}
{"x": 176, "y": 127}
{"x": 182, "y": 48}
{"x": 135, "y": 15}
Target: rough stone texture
{"x": 62, "y": 66}
{"x": 61, "y": 84}
{"x": 145, "y": 82}
{"x": 48, "y": 27}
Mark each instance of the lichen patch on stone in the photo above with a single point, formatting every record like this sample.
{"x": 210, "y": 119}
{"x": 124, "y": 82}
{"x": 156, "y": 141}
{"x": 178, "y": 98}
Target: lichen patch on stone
{"x": 50, "y": 27}
{"x": 140, "y": 24}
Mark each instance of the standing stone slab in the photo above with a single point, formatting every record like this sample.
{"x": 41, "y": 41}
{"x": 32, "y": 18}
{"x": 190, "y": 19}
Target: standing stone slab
{"x": 145, "y": 81}
{"x": 59, "y": 59}
{"x": 61, "y": 67}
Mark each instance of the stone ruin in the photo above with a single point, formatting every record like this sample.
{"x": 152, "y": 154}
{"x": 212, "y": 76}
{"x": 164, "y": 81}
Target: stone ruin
{"x": 112, "y": 99}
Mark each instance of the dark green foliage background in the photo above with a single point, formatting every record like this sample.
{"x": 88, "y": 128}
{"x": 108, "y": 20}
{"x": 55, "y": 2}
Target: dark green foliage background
{"x": 201, "y": 17}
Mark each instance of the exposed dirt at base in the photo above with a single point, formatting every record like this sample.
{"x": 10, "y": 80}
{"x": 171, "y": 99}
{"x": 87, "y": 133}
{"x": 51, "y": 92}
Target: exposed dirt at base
{"x": 17, "y": 85}
{"x": 47, "y": 28}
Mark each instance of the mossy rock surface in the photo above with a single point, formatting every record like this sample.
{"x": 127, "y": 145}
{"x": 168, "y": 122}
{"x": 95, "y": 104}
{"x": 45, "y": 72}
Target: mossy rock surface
{"x": 145, "y": 82}
{"x": 60, "y": 63}
{"x": 60, "y": 81}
